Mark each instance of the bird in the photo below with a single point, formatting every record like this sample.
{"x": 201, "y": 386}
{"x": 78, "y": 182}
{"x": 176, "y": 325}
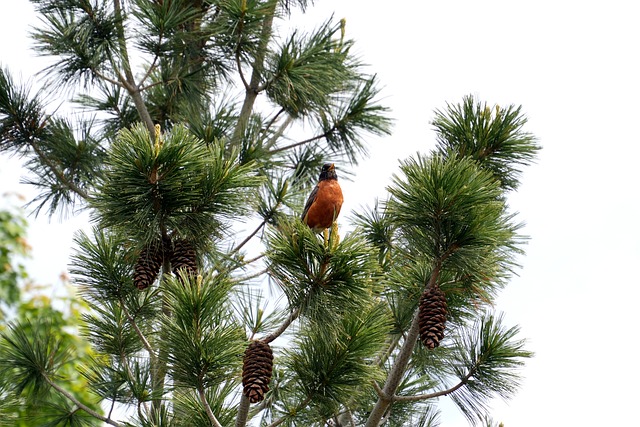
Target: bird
{"x": 324, "y": 203}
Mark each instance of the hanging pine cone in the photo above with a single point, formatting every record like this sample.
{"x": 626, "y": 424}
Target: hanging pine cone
{"x": 432, "y": 317}
{"x": 256, "y": 370}
{"x": 184, "y": 257}
{"x": 148, "y": 266}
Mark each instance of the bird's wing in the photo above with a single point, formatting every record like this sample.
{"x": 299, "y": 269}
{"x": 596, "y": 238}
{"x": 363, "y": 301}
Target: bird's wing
{"x": 310, "y": 200}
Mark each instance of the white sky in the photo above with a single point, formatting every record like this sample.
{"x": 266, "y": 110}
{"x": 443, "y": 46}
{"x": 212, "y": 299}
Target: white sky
{"x": 573, "y": 67}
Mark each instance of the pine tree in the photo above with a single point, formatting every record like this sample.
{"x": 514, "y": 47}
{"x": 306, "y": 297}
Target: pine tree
{"x": 190, "y": 161}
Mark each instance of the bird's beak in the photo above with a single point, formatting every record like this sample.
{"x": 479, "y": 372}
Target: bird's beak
{"x": 332, "y": 167}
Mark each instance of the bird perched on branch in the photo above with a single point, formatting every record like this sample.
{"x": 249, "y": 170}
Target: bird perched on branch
{"x": 324, "y": 203}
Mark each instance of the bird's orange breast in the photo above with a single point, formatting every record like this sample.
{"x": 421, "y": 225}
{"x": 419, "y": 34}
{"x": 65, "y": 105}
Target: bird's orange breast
{"x": 326, "y": 206}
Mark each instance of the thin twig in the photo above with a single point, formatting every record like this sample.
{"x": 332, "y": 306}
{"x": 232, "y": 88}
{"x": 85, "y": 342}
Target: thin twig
{"x": 251, "y": 92}
{"x": 239, "y": 66}
{"x": 254, "y": 259}
{"x": 275, "y": 334}
{"x": 250, "y": 236}
{"x": 149, "y": 71}
{"x": 108, "y": 79}
{"x": 382, "y": 358}
{"x": 352, "y": 423}
{"x": 128, "y": 80}
{"x": 158, "y": 83}
{"x": 61, "y": 177}
{"x": 251, "y": 276}
{"x": 256, "y": 409}
{"x": 136, "y": 328}
{"x": 297, "y": 144}
{"x": 278, "y": 133}
{"x": 111, "y": 408}
{"x": 79, "y": 404}
{"x": 440, "y": 393}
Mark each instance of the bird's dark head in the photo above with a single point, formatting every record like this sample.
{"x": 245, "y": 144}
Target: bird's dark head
{"x": 328, "y": 171}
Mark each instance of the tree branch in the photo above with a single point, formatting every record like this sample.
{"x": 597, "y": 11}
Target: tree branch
{"x": 275, "y": 334}
{"x": 299, "y": 143}
{"x": 207, "y": 407}
{"x": 79, "y": 404}
{"x": 59, "y": 175}
{"x": 250, "y": 236}
{"x": 239, "y": 66}
{"x": 463, "y": 381}
{"x": 243, "y": 411}
{"x": 400, "y": 364}
{"x": 383, "y": 357}
{"x": 129, "y": 82}
{"x": 108, "y": 79}
{"x": 278, "y": 133}
{"x": 251, "y": 276}
{"x": 251, "y": 91}
{"x": 136, "y": 328}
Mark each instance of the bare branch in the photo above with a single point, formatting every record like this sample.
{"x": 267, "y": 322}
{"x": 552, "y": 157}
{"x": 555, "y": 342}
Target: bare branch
{"x": 128, "y": 80}
{"x": 243, "y": 411}
{"x": 251, "y": 276}
{"x": 250, "y": 236}
{"x": 275, "y": 334}
{"x": 136, "y": 328}
{"x": 440, "y": 393}
{"x": 79, "y": 404}
{"x": 299, "y": 143}
{"x": 207, "y": 407}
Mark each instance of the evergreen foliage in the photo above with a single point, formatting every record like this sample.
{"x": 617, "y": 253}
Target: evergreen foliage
{"x": 195, "y": 185}
{"x": 37, "y": 336}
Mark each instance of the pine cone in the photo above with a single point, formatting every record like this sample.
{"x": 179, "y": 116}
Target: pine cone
{"x": 148, "y": 266}
{"x": 184, "y": 257}
{"x": 432, "y": 317}
{"x": 256, "y": 370}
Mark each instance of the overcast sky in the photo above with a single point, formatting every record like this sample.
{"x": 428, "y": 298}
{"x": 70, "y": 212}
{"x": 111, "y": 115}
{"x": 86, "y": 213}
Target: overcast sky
{"x": 573, "y": 66}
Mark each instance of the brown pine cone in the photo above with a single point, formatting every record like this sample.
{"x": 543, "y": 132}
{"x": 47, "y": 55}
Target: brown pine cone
{"x": 257, "y": 368}
{"x": 432, "y": 317}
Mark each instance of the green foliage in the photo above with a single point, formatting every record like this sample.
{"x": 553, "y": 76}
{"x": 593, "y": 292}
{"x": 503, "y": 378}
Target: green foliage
{"x": 176, "y": 184}
{"x": 488, "y": 356}
{"x": 188, "y": 410}
{"x": 240, "y": 26}
{"x": 180, "y": 145}
{"x": 69, "y": 159}
{"x": 452, "y": 212}
{"x": 321, "y": 281}
{"x": 63, "y": 165}
{"x": 332, "y": 361}
{"x": 343, "y": 127}
{"x": 102, "y": 268}
{"x": 201, "y": 331}
{"x": 303, "y": 75}
{"x": 21, "y": 117}
{"x": 492, "y": 137}
{"x": 445, "y": 206}
{"x": 82, "y": 35}
{"x": 36, "y": 349}
{"x": 39, "y": 341}
{"x": 31, "y": 355}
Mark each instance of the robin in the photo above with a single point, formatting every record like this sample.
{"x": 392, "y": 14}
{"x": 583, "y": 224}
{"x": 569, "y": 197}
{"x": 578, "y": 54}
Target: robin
{"x": 324, "y": 203}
